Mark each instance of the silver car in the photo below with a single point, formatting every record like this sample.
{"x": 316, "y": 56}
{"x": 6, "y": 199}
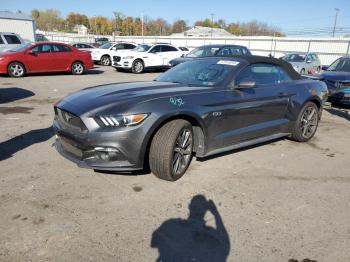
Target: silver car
{"x": 304, "y": 63}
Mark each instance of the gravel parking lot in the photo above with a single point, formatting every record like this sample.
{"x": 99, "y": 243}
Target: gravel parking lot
{"x": 281, "y": 201}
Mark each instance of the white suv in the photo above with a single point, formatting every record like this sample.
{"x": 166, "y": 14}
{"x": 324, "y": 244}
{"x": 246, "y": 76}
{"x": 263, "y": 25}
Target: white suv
{"x": 9, "y": 41}
{"x": 104, "y": 53}
{"x": 147, "y": 56}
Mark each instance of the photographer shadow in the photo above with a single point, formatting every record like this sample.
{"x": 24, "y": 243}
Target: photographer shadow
{"x": 191, "y": 239}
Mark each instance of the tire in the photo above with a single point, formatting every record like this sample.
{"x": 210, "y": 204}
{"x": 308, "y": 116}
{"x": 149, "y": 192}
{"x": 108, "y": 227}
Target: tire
{"x": 171, "y": 150}
{"x": 138, "y": 67}
{"x": 302, "y": 72}
{"x": 16, "y": 69}
{"x": 106, "y": 60}
{"x": 307, "y": 122}
{"x": 77, "y": 68}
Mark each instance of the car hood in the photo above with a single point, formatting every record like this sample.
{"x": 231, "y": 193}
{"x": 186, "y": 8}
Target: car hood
{"x": 121, "y": 96}
{"x": 335, "y": 75}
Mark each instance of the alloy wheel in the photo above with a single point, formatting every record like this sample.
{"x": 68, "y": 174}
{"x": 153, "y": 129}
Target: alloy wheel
{"x": 105, "y": 61}
{"x": 78, "y": 68}
{"x": 182, "y": 152}
{"x": 16, "y": 70}
{"x": 308, "y": 122}
{"x": 138, "y": 66}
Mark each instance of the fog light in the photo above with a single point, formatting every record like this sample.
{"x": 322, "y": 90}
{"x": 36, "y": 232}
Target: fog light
{"x": 107, "y": 153}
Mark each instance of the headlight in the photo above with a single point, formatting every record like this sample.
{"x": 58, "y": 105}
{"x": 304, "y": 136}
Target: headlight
{"x": 128, "y": 57}
{"x": 120, "y": 121}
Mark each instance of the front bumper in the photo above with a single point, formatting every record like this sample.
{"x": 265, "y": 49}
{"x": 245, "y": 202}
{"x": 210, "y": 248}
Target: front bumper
{"x": 340, "y": 98}
{"x": 3, "y": 67}
{"x": 113, "y": 150}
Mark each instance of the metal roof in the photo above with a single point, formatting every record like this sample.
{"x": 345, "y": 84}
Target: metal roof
{"x": 15, "y": 16}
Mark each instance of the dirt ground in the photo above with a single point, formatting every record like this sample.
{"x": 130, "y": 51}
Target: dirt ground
{"x": 281, "y": 201}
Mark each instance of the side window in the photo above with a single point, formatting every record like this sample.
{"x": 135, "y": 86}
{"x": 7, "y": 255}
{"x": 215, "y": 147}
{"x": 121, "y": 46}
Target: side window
{"x": 224, "y": 52}
{"x": 118, "y": 47}
{"x": 263, "y": 74}
{"x": 1, "y": 41}
{"x": 12, "y": 39}
{"x": 168, "y": 48}
{"x": 60, "y": 48}
{"x": 36, "y": 49}
{"x": 155, "y": 49}
{"x": 308, "y": 58}
{"x": 129, "y": 46}
{"x": 45, "y": 49}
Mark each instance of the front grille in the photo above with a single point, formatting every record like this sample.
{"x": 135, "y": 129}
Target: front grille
{"x": 69, "y": 120}
{"x": 116, "y": 58}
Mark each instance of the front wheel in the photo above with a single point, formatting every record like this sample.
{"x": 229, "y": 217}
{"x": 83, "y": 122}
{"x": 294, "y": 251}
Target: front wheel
{"x": 306, "y": 125}
{"x": 78, "y": 68}
{"x": 302, "y": 72}
{"x": 106, "y": 60}
{"x": 138, "y": 67}
{"x": 171, "y": 150}
{"x": 16, "y": 69}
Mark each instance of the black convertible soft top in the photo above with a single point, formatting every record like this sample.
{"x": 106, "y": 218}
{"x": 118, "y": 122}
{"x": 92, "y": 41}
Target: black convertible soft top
{"x": 253, "y": 59}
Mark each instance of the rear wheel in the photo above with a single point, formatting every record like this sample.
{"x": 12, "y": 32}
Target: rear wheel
{"x": 306, "y": 125}
{"x": 138, "y": 67}
{"x": 78, "y": 68}
{"x": 106, "y": 60}
{"x": 16, "y": 69}
{"x": 171, "y": 150}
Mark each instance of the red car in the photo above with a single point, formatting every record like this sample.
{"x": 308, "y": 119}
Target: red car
{"x": 44, "y": 57}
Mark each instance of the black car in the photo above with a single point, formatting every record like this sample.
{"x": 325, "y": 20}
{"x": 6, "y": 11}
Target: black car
{"x": 100, "y": 41}
{"x": 337, "y": 78}
{"x": 198, "y": 108}
{"x": 212, "y": 50}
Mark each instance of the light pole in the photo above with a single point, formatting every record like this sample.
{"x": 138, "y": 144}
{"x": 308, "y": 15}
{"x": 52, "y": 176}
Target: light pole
{"x": 335, "y": 20}
{"x": 212, "y": 23}
{"x": 142, "y": 23}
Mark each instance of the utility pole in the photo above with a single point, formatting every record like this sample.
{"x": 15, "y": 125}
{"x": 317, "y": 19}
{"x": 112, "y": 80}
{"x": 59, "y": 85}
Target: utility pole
{"x": 335, "y": 20}
{"x": 212, "y": 23}
{"x": 142, "y": 23}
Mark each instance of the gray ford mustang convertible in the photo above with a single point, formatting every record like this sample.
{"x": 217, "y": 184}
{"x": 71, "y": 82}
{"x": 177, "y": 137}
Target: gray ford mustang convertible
{"x": 198, "y": 108}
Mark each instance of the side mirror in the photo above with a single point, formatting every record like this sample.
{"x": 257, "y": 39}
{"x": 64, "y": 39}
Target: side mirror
{"x": 30, "y": 52}
{"x": 183, "y": 55}
{"x": 246, "y": 84}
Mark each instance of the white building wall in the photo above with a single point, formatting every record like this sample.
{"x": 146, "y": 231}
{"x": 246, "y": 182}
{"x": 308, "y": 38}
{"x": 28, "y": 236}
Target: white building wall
{"x": 24, "y": 28}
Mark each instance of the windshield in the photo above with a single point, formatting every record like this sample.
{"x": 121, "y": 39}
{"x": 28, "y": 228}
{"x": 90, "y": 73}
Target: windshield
{"x": 203, "y": 51}
{"x": 20, "y": 48}
{"x": 340, "y": 65}
{"x": 142, "y": 48}
{"x": 106, "y": 46}
{"x": 294, "y": 58}
{"x": 200, "y": 72}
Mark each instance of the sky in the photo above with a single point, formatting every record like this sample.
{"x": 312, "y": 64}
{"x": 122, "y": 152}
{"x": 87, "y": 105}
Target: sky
{"x": 291, "y": 16}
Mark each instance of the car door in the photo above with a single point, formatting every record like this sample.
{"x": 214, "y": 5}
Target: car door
{"x": 155, "y": 56}
{"x": 263, "y": 106}
{"x": 61, "y": 57}
{"x": 39, "y": 59}
{"x": 169, "y": 53}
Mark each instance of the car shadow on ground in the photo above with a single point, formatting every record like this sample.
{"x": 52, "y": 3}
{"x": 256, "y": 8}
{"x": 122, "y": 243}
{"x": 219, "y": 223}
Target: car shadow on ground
{"x": 343, "y": 112}
{"x": 11, "y": 94}
{"x": 192, "y": 239}
{"x": 20, "y": 142}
